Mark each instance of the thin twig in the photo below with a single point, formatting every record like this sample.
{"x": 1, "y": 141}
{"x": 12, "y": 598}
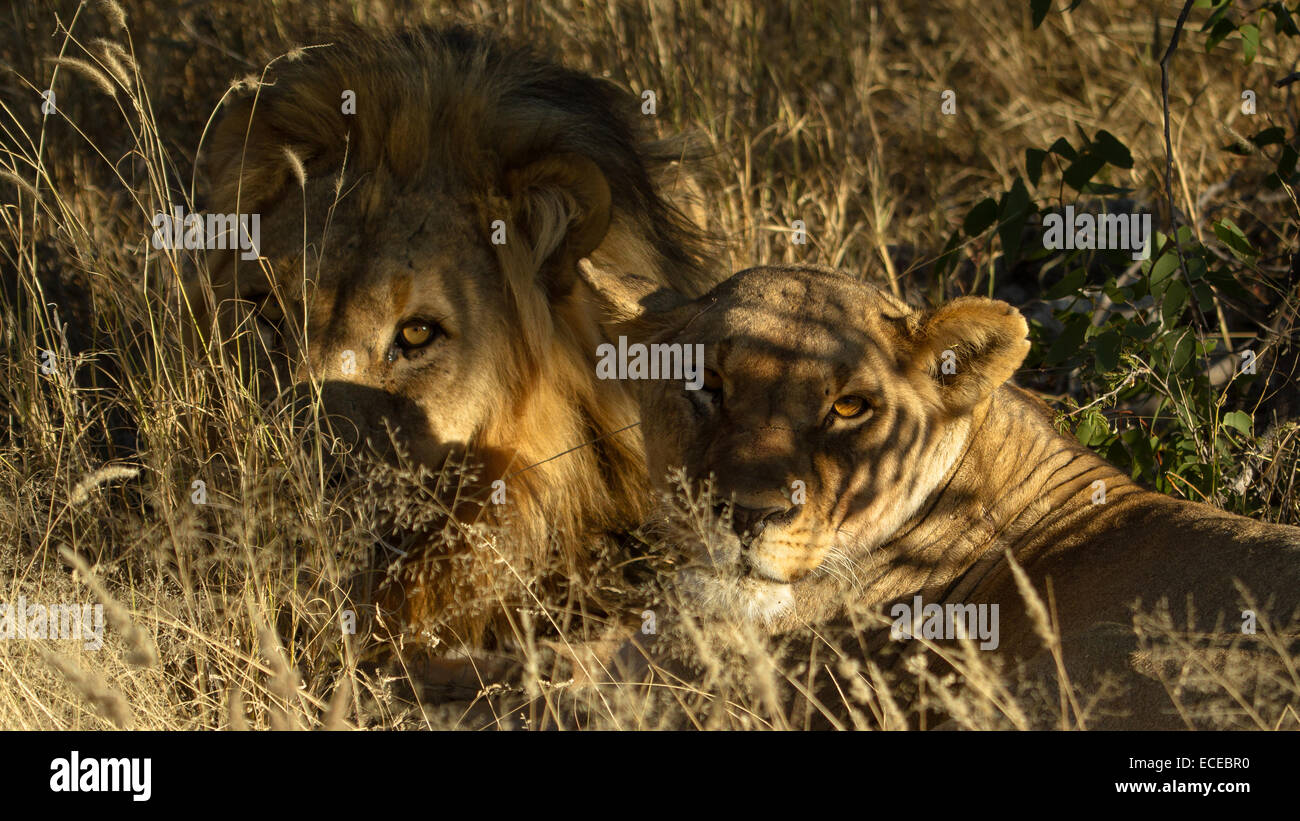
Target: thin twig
{"x": 1169, "y": 151}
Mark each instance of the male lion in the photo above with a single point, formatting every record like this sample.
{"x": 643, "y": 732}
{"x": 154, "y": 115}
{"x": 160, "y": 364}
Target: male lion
{"x": 867, "y": 453}
{"x": 424, "y": 198}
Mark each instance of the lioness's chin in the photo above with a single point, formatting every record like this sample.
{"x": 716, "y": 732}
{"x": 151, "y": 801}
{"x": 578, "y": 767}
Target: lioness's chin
{"x": 747, "y": 597}
{"x": 765, "y": 602}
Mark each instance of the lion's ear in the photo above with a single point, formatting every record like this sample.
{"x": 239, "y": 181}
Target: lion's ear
{"x": 971, "y": 346}
{"x": 237, "y": 161}
{"x": 562, "y": 204}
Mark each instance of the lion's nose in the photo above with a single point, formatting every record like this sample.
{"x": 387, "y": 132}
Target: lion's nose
{"x": 749, "y": 522}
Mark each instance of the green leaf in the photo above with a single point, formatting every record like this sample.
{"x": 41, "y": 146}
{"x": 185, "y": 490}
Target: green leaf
{"x": 1219, "y": 32}
{"x": 1249, "y": 42}
{"x": 1106, "y": 346}
{"x": 1230, "y": 235}
{"x": 1238, "y": 147}
{"x": 1118, "y": 295}
{"x": 1068, "y": 286}
{"x": 1093, "y": 430}
{"x": 1204, "y": 297}
{"x": 1180, "y": 352}
{"x": 1225, "y": 282}
{"x": 1034, "y": 164}
{"x": 1270, "y": 136}
{"x": 1083, "y": 431}
{"x": 1062, "y": 148}
{"x": 1102, "y": 189}
{"x": 1284, "y": 24}
{"x": 1070, "y": 340}
{"x": 1287, "y": 162}
{"x": 1082, "y": 170}
{"x": 948, "y": 258}
{"x": 1174, "y": 302}
{"x": 1139, "y": 449}
{"x": 1141, "y": 332}
{"x": 1220, "y": 9}
{"x": 1013, "y": 212}
{"x": 1239, "y": 420}
{"x": 1112, "y": 150}
{"x": 1040, "y": 9}
{"x": 984, "y": 214}
{"x": 1165, "y": 265}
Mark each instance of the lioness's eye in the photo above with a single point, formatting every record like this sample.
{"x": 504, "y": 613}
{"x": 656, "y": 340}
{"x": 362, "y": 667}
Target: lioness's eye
{"x": 416, "y": 334}
{"x": 708, "y": 399}
{"x": 848, "y": 407}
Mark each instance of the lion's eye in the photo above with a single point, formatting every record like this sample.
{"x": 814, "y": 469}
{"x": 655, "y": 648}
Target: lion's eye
{"x": 271, "y": 311}
{"x": 266, "y": 309}
{"x": 712, "y": 380}
{"x": 416, "y": 334}
{"x": 849, "y": 407}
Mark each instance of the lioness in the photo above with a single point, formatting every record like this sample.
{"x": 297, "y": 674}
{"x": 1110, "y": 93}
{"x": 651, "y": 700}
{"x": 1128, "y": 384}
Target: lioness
{"x": 866, "y": 452}
{"x": 424, "y": 197}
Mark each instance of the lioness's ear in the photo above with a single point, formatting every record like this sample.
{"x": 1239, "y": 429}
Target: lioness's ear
{"x": 562, "y": 204}
{"x": 971, "y": 346}
{"x": 633, "y": 304}
{"x": 630, "y": 296}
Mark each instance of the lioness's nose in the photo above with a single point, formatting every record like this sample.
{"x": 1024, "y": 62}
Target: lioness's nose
{"x": 749, "y": 522}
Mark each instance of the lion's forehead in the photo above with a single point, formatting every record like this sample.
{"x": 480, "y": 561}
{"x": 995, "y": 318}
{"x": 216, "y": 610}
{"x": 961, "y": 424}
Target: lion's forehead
{"x": 422, "y": 256}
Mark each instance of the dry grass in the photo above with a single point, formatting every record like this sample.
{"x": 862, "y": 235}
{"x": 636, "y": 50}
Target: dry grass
{"x": 227, "y": 614}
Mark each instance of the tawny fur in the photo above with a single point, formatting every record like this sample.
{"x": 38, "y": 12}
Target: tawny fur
{"x": 946, "y": 474}
{"x": 373, "y": 218}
